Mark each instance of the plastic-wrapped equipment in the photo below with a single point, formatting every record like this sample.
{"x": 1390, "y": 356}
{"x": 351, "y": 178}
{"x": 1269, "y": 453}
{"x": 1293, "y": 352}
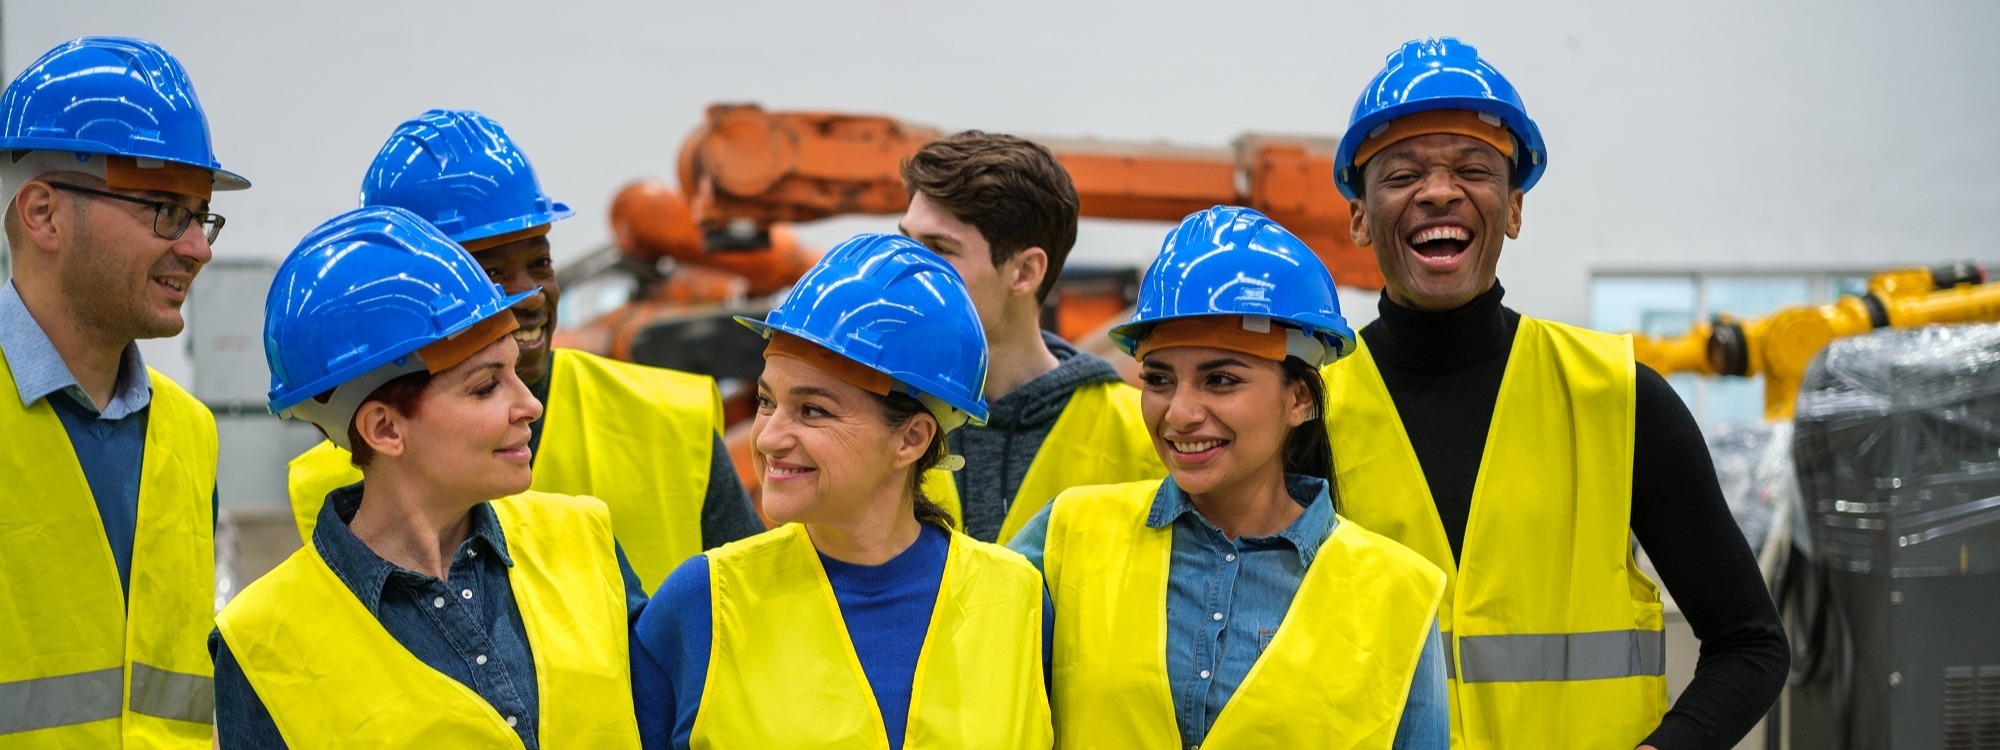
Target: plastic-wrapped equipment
{"x": 1897, "y": 444}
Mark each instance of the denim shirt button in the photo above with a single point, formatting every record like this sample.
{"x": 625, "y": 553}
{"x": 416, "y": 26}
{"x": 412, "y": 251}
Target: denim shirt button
{"x": 1204, "y": 674}
{"x": 437, "y": 603}
{"x": 1231, "y": 557}
{"x": 511, "y": 721}
{"x": 1216, "y": 617}
{"x": 466, "y": 593}
{"x": 481, "y": 660}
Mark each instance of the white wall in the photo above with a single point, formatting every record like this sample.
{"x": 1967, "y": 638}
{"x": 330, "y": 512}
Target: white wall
{"x": 1710, "y": 134}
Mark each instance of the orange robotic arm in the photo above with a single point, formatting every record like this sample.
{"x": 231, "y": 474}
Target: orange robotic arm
{"x": 746, "y": 169}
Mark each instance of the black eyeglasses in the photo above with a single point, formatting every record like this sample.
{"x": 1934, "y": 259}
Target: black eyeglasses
{"x": 170, "y": 220}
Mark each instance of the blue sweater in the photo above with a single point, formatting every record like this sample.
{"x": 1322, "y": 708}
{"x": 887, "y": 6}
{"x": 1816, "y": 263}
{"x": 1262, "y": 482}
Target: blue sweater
{"x": 887, "y": 609}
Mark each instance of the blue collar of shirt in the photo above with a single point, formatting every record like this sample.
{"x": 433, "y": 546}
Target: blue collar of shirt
{"x": 1305, "y": 534}
{"x": 365, "y": 572}
{"x": 39, "y": 370}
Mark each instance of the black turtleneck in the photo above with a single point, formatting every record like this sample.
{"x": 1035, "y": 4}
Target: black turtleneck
{"x": 1443, "y": 371}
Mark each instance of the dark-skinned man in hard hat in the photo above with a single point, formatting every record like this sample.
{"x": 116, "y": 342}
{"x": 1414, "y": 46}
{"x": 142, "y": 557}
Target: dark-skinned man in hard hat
{"x": 1522, "y": 455}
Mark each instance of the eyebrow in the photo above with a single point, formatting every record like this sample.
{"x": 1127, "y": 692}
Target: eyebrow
{"x": 1406, "y": 154}
{"x": 477, "y": 371}
{"x": 1217, "y": 364}
{"x": 200, "y": 206}
{"x": 1213, "y": 364}
{"x": 928, "y": 239}
{"x": 802, "y": 390}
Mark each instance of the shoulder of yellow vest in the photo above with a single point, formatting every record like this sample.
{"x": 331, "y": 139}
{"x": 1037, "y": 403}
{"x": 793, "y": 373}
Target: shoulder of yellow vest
{"x": 691, "y": 389}
{"x": 1612, "y": 351}
{"x": 322, "y": 451}
{"x": 164, "y": 388}
{"x": 996, "y": 554}
{"x": 583, "y": 359}
{"x": 254, "y": 599}
{"x": 1106, "y": 494}
{"x": 1558, "y": 328}
{"x": 543, "y": 503}
{"x": 755, "y": 543}
{"x": 1364, "y": 543}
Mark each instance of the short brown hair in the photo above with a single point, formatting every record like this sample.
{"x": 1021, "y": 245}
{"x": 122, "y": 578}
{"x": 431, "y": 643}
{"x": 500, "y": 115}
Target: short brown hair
{"x": 404, "y": 393}
{"x": 1011, "y": 189}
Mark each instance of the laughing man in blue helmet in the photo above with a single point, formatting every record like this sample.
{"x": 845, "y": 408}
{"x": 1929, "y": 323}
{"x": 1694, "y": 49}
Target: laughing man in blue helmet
{"x": 1522, "y": 455}
{"x": 645, "y": 440}
{"x": 107, "y": 549}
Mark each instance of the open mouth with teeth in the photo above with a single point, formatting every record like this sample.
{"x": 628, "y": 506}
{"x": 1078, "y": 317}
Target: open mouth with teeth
{"x": 531, "y": 338}
{"x": 179, "y": 285}
{"x": 1196, "y": 450}
{"x": 1441, "y": 246}
{"x": 778, "y": 472}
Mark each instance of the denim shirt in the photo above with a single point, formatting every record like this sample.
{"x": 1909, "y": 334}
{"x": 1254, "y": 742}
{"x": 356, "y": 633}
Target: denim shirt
{"x": 1226, "y": 599}
{"x": 468, "y": 628}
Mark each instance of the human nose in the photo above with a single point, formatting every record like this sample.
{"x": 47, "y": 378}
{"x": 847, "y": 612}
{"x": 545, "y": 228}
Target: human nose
{"x": 527, "y": 407}
{"x": 529, "y": 303}
{"x": 1184, "y": 410}
{"x": 1436, "y": 188}
{"x": 770, "y": 433}
{"x": 193, "y": 248}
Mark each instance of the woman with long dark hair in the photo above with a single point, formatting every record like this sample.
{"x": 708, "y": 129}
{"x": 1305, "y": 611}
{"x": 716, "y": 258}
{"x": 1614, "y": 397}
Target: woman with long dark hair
{"x": 1228, "y": 605}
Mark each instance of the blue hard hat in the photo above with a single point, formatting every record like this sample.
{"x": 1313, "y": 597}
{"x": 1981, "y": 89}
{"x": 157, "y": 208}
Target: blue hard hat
{"x": 1230, "y": 260}
{"x": 891, "y": 304}
{"x": 358, "y": 297}
{"x": 110, "y": 95}
{"x": 1441, "y": 73}
{"x": 457, "y": 169}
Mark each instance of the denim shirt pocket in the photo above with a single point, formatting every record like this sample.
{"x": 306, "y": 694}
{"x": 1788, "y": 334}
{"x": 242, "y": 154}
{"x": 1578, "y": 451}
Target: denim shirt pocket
{"x": 1264, "y": 636}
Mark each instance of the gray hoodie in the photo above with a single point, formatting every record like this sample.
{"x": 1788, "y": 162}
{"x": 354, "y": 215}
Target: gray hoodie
{"x": 997, "y": 455}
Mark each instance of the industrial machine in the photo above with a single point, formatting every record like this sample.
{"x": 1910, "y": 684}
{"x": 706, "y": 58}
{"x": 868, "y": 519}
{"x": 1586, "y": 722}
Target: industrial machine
{"x": 746, "y": 174}
{"x": 1779, "y": 345}
{"x": 684, "y": 261}
{"x": 1890, "y": 594}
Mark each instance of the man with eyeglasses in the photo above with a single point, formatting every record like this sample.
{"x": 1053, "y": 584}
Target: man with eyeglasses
{"x": 107, "y": 561}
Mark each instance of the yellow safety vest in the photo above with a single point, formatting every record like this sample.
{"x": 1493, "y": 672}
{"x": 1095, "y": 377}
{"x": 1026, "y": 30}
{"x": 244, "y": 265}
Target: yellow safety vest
{"x": 82, "y": 663}
{"x": 1100, "y": 438}
{"x": 1336, "y": 675}
{"x": 333, "y": 678}
{"x": 1554, "y": 634}
{"x": 783, "y": 673}
{"x": 637, "y": 437}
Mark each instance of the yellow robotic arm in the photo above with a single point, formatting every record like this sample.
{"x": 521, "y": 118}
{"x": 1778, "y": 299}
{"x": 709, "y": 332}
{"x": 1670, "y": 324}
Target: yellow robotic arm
{"x": 1779, "y": 345}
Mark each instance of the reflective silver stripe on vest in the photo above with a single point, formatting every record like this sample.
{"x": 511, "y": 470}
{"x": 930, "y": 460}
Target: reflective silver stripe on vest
{"x": 173, "y": 695}
{"x": 61, "y": 701}
{"x": 1562, "y": 656}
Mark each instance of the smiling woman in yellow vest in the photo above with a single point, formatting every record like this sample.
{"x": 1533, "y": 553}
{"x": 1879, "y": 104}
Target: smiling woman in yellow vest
{"x": 424, "y": 611}
{"x": 1228, "y": 606}
{"x": 865, "y": 620}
